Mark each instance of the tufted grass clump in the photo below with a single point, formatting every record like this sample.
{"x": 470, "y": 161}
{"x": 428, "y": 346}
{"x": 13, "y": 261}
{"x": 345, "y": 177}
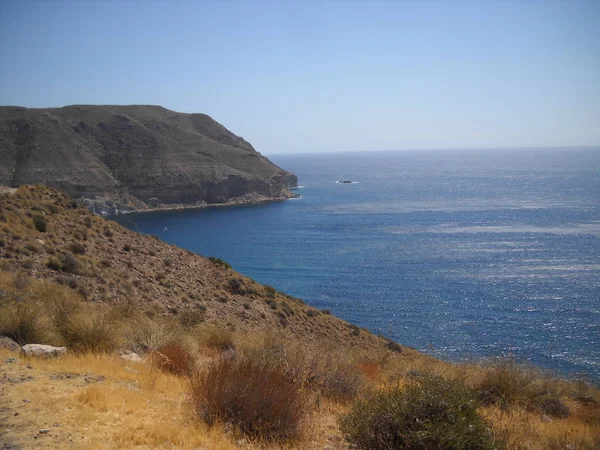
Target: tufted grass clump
{"x": 430, "y": 413}
{"x": 505, "y": 383}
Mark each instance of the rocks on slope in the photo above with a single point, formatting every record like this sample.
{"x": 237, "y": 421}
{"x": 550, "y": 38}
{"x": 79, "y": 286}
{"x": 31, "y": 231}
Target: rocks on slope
{"x": 134, "y": 157}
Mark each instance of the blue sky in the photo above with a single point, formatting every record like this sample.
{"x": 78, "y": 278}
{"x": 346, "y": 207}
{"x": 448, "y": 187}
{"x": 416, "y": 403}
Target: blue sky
{"x": 310, "y": 76}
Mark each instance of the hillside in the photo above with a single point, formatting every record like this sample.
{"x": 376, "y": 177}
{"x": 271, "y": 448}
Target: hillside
{"x": 108, "y": 263}
{"x": 122, "y": 158}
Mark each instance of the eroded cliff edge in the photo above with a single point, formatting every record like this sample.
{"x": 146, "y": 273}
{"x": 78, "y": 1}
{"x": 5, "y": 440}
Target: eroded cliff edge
{"x": 128, "y": 158}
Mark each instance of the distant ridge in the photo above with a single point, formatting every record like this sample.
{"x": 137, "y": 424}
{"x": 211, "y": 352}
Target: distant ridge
{"x": 137, "y": 157}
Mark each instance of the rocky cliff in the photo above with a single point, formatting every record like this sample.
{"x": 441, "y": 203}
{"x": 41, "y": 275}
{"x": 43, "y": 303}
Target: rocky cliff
{"x": 124, "y": 158}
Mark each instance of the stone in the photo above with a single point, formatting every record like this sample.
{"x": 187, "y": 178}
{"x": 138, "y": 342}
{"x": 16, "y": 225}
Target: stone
{"x": 9, "y": 344}
{"x": 133, "y": 357}
{"x": 11, "y": 360}
{"x": 43, "y": 351}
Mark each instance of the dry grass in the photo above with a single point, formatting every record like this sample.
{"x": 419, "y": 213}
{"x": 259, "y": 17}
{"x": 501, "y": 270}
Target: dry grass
{"x": 145, "y": 409}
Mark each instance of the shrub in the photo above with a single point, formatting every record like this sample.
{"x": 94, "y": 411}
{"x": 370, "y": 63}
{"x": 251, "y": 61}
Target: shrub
{"x": 77, "y": 248}
{"x": 168, "y": 262}
{"x": 431, "y": 413}
{"x": 27, "y": 322}
{"x": 262, "y": 399}
{"x": 40, "y": 223}
{"x": 216, "y": 337}
{"x": 90, "y": 330}
{"x": 505, "y": 383}
{"x": 236, "y": 286}
{"x": 173, "y": 358}
{"x": 70, "y": 264}
{"x": 54, "y": 263}
{"x": 219, "y": 262}
{"x": 191, "y": 318}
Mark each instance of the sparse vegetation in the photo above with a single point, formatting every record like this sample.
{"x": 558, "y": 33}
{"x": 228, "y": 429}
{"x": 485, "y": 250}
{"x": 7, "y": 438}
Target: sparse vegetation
{"x": 219, "y": 262}
{"x": 506, "y": 383}
{"x": 430, "y": 413}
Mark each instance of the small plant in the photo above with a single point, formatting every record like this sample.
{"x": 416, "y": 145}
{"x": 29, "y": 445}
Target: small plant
{"x": 168, "y": 262}
{"x": 70, "y": 264}
{"x": 219, "y": 262}
{"x": 431, "y": 413}
{"x": 173, "y": 358}
{"x": 77, "y": 248}
{"x": 191, "y": 318}
{"x": 236, "y": 286}
{"x": 40, "y": 223}
{"x": 505, "y": 383}
{"x": 260, "y": 397}
{"x": 127, "y": 247}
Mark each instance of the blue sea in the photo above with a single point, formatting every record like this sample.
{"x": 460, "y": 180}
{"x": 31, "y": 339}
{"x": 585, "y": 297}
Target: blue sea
{"x": 460, "y": 254}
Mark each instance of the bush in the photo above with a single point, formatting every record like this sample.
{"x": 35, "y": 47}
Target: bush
{"x": 262, "y": 399}
{"x": 219, "y": 262}
{"x": 77, "y": 248}
{"x": 173, "y": 358}
{"x": 90, "y": 330}
{"x": 40, "y": 223}
{"x": 505, "y": 383}
{"x": 27, "y": 322}
{"x": 218, "y": 338}
{"x": 431, "y": 413}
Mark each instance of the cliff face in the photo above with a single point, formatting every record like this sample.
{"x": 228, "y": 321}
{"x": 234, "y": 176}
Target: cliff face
{"x": 122, "y": 158}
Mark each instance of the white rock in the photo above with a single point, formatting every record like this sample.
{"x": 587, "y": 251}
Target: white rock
{"x": 134, "y": 357}
{"x": 43, "y": 351}
{"x": 9, "y": 344}
{"x": 39, "y": 241}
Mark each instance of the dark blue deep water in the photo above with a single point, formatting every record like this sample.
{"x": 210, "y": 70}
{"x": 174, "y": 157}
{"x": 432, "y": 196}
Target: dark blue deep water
{"x": 461, "y": 254}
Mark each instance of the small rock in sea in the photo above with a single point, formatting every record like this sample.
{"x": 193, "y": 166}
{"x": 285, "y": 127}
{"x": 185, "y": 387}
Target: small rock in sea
{"x": 134, "y": 357}
{"x": 11, "y": 360}
{"x": 43, "y": 351}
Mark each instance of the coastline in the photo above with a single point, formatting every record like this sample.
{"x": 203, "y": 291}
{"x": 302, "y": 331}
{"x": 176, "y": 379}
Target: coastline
{"x": 246, "y": 200}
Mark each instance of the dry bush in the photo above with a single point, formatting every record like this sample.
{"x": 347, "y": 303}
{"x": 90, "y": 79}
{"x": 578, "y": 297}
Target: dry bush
{"x": 27, "y": 322}
{"x": 173, "y": 358}
{"x": 430, "y": 413}
{"x": 258, "y": 396}
{"x": 143, "y": 334}
{"x": 90, "y": 329}
{"x": 505, "y": 383}
{"x": 215, "y": 337}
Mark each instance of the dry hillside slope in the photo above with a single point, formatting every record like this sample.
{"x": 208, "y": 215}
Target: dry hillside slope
{"x": 46, "y": 234}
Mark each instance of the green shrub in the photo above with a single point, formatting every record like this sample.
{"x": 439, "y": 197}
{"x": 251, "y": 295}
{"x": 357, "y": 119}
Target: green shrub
{"x": 77, "y": 248}
{"x": 430, "y": 413}
{"x": 40, "y": 223}
{"x": 219, "y": 262}
{"x": 260, "y": 398}
{"x": 505, "y": 383}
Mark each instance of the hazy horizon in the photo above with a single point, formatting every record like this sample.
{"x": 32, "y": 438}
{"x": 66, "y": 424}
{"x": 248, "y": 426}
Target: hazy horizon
{"x": 327, "y": 76}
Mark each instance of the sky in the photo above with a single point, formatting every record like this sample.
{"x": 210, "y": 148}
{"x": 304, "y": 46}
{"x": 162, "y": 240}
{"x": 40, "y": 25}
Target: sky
{"x": 316, "y": 76}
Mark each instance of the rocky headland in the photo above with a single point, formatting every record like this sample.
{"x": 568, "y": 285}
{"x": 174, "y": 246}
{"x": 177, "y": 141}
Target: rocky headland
{"x": 132, "y": 158}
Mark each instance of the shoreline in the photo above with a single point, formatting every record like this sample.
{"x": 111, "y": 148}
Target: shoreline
{"x": 182, "y": 206}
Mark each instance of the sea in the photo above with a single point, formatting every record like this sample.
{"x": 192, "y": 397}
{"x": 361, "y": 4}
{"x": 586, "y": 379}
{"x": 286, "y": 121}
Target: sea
{"x": 461, "y": 254}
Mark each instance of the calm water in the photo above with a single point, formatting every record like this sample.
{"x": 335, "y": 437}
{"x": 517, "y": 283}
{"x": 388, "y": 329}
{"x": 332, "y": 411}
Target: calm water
{"x": 459, "y": 254}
